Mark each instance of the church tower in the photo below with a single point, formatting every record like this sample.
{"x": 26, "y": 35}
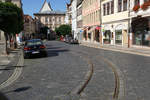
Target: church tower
{"x": 46, "y": 7}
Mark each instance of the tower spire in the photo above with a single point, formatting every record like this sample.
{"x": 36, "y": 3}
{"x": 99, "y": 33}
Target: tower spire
{"x": 46, "y": 7}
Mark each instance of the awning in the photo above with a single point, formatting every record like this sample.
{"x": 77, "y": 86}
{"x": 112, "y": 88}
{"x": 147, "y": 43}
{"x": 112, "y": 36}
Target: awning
{"x": 98, "y": 28}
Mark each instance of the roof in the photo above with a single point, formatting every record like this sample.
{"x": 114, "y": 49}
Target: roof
{"x": 47, "y": 10}
{"x": 46, "y": 7}
{"x": 50, "y": 12}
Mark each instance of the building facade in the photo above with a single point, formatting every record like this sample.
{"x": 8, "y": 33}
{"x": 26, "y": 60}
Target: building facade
{"x": 48, "y": 17}
{"x": 68, "y": 17}
{"x": 17, "y": 2}
{"x": 115, "y": 18}
{"x": 140, "y": 22}
{"x": 74, "y": 18}
{"x": 79, "y": 20}
{"x": 29, "y": 27}
{"x": 91, "y": 20}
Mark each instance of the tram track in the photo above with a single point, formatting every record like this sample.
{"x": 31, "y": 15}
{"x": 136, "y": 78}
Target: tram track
{"x": 119, "y": 89}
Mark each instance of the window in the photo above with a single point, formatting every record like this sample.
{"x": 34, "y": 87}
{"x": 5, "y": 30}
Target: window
{"x": 137, "y": 2}
{"x": 50, "y": 19}
{"x": 59, "y": 20}
{"x": 46, "y": 19}
{"x": 108, "y": 9}
{"x": 119, "y": 5}
{"x": 104, "y": 9}
{"x": 124, "y": 5}
{"x": 146, "y": 0}
{"x": 112, "y": 6}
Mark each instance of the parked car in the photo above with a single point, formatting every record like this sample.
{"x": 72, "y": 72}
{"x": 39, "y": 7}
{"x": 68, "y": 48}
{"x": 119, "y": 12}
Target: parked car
{"x": 73, "y": 41}
{"x": 34, "y": 47}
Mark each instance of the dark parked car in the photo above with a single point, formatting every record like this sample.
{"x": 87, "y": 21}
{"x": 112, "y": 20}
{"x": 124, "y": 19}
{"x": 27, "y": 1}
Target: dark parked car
{"x": 34, "y": 47}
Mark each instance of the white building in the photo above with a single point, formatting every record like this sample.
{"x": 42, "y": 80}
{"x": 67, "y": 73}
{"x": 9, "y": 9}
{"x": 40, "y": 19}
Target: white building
{"x": 48, "y": 17}
{"x": 74, "y": 18}
{"x": 79, "y": 20}
{"x": 140, "y": 22}
{"x": 115, "y": 18}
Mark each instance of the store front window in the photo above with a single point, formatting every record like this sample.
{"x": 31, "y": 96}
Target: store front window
{"x": 141, "y": 31}
{"x": 142, "y": 38}
{"x": 118, "y": 37}
{"x": 85, "y": 34}
{"x": 97, "y": 35}
{"x": 107, "y": 37}
{"x": 89, "y": 36}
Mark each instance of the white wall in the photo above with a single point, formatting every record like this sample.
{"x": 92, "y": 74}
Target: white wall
{"x": 74, "y": 18}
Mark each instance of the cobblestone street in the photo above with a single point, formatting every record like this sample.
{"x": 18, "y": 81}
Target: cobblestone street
{"x": 62, "y": 72}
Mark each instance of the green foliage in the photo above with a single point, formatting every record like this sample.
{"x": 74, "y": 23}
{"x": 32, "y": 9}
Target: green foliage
{"x": 63, "y": 30}
{"x": 11, "y": 18}
{"x": 43, "y": 30}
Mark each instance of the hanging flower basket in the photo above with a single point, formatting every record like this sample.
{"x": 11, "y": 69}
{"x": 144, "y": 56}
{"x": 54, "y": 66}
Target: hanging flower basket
{"x": 145, "y": 5}
{"x": 136, "y": 7}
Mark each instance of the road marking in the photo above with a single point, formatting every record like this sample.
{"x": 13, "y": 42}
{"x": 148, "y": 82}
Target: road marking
{"x": 79, "y": 89}
{"x": 119, "y": 91}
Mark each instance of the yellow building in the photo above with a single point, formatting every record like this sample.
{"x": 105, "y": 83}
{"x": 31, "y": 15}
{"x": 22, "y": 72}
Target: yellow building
{"x": 115, "y": 22}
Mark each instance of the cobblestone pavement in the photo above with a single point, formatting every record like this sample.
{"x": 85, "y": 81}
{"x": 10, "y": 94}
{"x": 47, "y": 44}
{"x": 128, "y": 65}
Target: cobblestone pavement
{"x": 144, "y": 51}
{"x": 64, "y": 69}
{"x": 134, "y": 68}
{"x": 7, "y": 65}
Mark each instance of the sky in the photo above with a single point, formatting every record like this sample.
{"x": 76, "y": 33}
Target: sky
{"x": 34, "y": 6}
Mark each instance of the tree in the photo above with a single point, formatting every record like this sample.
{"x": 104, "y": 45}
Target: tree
{"x": 63, "y": 30}
{"x": 11, "y": 20}
{"x": 43, "y": 31}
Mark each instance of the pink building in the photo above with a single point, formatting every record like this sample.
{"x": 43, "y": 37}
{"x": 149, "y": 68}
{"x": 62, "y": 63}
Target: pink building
{"x": 91, "y": 20}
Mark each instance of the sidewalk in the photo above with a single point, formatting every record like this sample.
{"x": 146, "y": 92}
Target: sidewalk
{"x": 131, "y": 50}
{"x": 7, "y": 64}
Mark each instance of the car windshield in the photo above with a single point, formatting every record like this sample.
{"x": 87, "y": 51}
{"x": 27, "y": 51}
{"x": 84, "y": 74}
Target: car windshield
{"x": 31, "y": 43}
